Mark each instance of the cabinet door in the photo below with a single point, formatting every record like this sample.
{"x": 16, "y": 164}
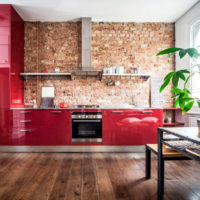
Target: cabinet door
{"x": 4, "y": 35}
{"x": 56, "y": 127}
{"x": 26, "y": 136}
{"x": 120, "y": 127}
{"x": 4, "y": 54}
{"x": 25, "y": 127}
{"x": 131, "y": 127}
{"x": 4, "y": 106}
{"x": 5, "y": 15}
{"x": 150, "y": 121}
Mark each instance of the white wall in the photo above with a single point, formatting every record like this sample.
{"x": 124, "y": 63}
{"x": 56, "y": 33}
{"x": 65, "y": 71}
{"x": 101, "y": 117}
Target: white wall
{"x": 182, "y": 33}
{"x": 183, "y": 40}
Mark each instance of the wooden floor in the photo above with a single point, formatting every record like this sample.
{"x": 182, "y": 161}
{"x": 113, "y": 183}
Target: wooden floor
{"x": 88, "y": 176}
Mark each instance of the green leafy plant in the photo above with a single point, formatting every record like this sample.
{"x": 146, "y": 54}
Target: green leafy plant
{"x": 182, "y": 96}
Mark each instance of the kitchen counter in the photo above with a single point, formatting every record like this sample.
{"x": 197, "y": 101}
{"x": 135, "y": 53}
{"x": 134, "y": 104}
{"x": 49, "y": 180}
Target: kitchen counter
{"x": 103, "y": 107}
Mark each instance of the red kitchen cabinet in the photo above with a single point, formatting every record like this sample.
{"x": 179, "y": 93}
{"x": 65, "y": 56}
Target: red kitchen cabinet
{"x": 4, "y": 106}
{"x": 40, "y": 127}
{"x": 17, "y": 60}
{"x": 131, "y": 127}
{"x": 12, "y": 52}
{"x": 25, "y": 127}
{"x": 4, "y": 54}
{"x": 11, "y": 65}
{"x": 4, "y": 35}
{"x": 4, "y": 15}
{"x": 56, "y": 127}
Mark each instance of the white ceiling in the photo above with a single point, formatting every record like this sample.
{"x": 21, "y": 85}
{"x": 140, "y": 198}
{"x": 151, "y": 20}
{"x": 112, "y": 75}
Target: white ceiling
{"x": 102, "y": 10}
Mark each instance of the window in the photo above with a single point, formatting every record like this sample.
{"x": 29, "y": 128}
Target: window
{"x": 195, "y": 80}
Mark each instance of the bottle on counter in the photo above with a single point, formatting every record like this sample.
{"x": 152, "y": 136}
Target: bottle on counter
{"x": 34, "y": 103}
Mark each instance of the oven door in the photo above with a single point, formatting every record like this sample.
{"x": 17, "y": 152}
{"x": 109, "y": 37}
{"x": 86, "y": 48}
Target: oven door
{"x": 86, "y": 130}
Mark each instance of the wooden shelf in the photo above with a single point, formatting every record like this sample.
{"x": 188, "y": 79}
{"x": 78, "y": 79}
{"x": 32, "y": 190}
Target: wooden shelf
{"x": 26, "y": 75}
{"x": 173, "y": 124}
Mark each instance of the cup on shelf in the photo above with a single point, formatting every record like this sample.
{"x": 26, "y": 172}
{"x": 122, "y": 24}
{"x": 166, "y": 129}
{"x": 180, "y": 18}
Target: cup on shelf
{"x": 169, "y": 120}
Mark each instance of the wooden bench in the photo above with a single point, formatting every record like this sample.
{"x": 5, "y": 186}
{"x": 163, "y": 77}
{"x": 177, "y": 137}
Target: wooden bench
{"x": 168, "y": 154}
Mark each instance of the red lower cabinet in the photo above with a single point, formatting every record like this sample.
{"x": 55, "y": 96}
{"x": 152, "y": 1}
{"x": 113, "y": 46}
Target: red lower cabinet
{"x": 40, "y": 127}
{"x": 131, "y": 127}
{"x": 56, "y": 127}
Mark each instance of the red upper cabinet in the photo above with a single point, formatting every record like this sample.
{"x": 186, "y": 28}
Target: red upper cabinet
{"x": 17, "y": 59}
{"x": 12, "y": 51}
{"x": 4, "y": 15}
{"x": 4, "y": 55}
{"x": 131, "y": 127}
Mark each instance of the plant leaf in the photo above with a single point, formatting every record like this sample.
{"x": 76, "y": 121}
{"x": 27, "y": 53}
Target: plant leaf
{"x": 175, "y": 80}
{"x": 181, "y": 75}
{"x": 182, "y": 53}
{"x": 174, "y": 96}
{"x": 176, "y": 102}
{"x": 167, "y": 51}
{"x": 164, "y": 85}
{"x": 187, "y": 99}
{"x": 193, "y": 53}
{"x": 169, "y": 75}
{"x": 198, "y": 102}
{"x": 184, "y": 71}
{"x": 188, "y": 91}
{"x": 188, "y": 106}
{"x": 176, "y": 90}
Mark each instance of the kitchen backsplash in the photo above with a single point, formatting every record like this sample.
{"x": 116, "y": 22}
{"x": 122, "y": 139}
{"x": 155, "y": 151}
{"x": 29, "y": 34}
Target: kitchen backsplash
{"x": 48, "y": 45}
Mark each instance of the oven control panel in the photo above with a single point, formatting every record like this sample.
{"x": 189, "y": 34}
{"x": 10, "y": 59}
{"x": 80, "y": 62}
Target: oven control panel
{"x": 86, "y": 115}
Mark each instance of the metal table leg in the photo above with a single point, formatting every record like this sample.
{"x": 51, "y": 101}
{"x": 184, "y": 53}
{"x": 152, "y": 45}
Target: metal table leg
{"x": 160, "y": 166}
{"x": 147, "y": 163}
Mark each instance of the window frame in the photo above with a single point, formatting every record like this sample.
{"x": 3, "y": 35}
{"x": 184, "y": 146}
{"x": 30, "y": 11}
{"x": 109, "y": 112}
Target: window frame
{"x": 194, "y": 29}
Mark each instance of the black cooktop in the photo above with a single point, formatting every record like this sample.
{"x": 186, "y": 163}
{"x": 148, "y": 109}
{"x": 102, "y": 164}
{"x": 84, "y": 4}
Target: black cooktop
{"x": 87, "y": 106}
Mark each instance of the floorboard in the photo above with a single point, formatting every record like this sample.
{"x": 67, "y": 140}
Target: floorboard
{"x": 93, "y": 176}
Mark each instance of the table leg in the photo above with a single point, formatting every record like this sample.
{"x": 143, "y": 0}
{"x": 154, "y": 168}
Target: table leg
{"x": 160, "y": 167}
{"x": 148, "y": 163}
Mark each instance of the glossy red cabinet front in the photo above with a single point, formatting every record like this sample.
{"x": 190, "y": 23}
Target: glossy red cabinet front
{"x": 56, "y": 126}
{"x": 40, "y": 127}
{"x": 4, "y": 106}
{"x": 131, "y": 127}
{"x": 4, "y": 15}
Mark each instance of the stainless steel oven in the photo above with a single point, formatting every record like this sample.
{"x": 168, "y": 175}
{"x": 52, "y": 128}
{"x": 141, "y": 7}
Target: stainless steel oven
{"x": 86, "y": 127}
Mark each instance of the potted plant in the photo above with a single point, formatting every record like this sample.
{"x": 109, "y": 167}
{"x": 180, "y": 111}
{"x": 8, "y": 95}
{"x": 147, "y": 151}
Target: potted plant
{"x": 182, "y": 96}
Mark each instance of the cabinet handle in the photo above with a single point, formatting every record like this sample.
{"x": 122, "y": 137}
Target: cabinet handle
{"x": 147, "y": 111}
{"x": 26, "y": 130}
{"x": 56, "y": 111}
{"x": 13, "y": 74}
{"x": 25, "y": 121}
{"x": 117, "y": 111}
{"x": 86, "y": 120}
{"x": 25, "y": 112}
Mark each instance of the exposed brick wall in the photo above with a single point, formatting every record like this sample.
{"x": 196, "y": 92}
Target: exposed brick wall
{"x": 125, "y": 44}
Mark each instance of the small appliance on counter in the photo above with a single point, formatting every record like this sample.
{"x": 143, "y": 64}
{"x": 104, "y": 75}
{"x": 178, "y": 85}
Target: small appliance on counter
{"x": 48, "y": 94}
{"x": 64, "y": 105}
{"x": 47, "y": 102}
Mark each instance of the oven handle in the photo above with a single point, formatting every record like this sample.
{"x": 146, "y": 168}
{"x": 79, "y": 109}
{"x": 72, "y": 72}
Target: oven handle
{"x": 86, "y": 120}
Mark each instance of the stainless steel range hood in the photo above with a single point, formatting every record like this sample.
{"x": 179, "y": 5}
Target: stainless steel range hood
{"x": 86, "y": 61}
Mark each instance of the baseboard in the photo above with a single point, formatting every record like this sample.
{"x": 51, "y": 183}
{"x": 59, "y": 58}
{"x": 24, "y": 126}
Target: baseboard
{"x": 133, "y": 149}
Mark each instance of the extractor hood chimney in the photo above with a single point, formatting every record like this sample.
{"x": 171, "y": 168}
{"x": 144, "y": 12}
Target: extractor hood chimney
{"x": 86, "y": 60}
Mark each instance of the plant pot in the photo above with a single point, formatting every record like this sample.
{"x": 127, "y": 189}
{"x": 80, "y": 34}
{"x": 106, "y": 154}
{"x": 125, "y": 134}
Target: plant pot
{"x": 198, "y": 124}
